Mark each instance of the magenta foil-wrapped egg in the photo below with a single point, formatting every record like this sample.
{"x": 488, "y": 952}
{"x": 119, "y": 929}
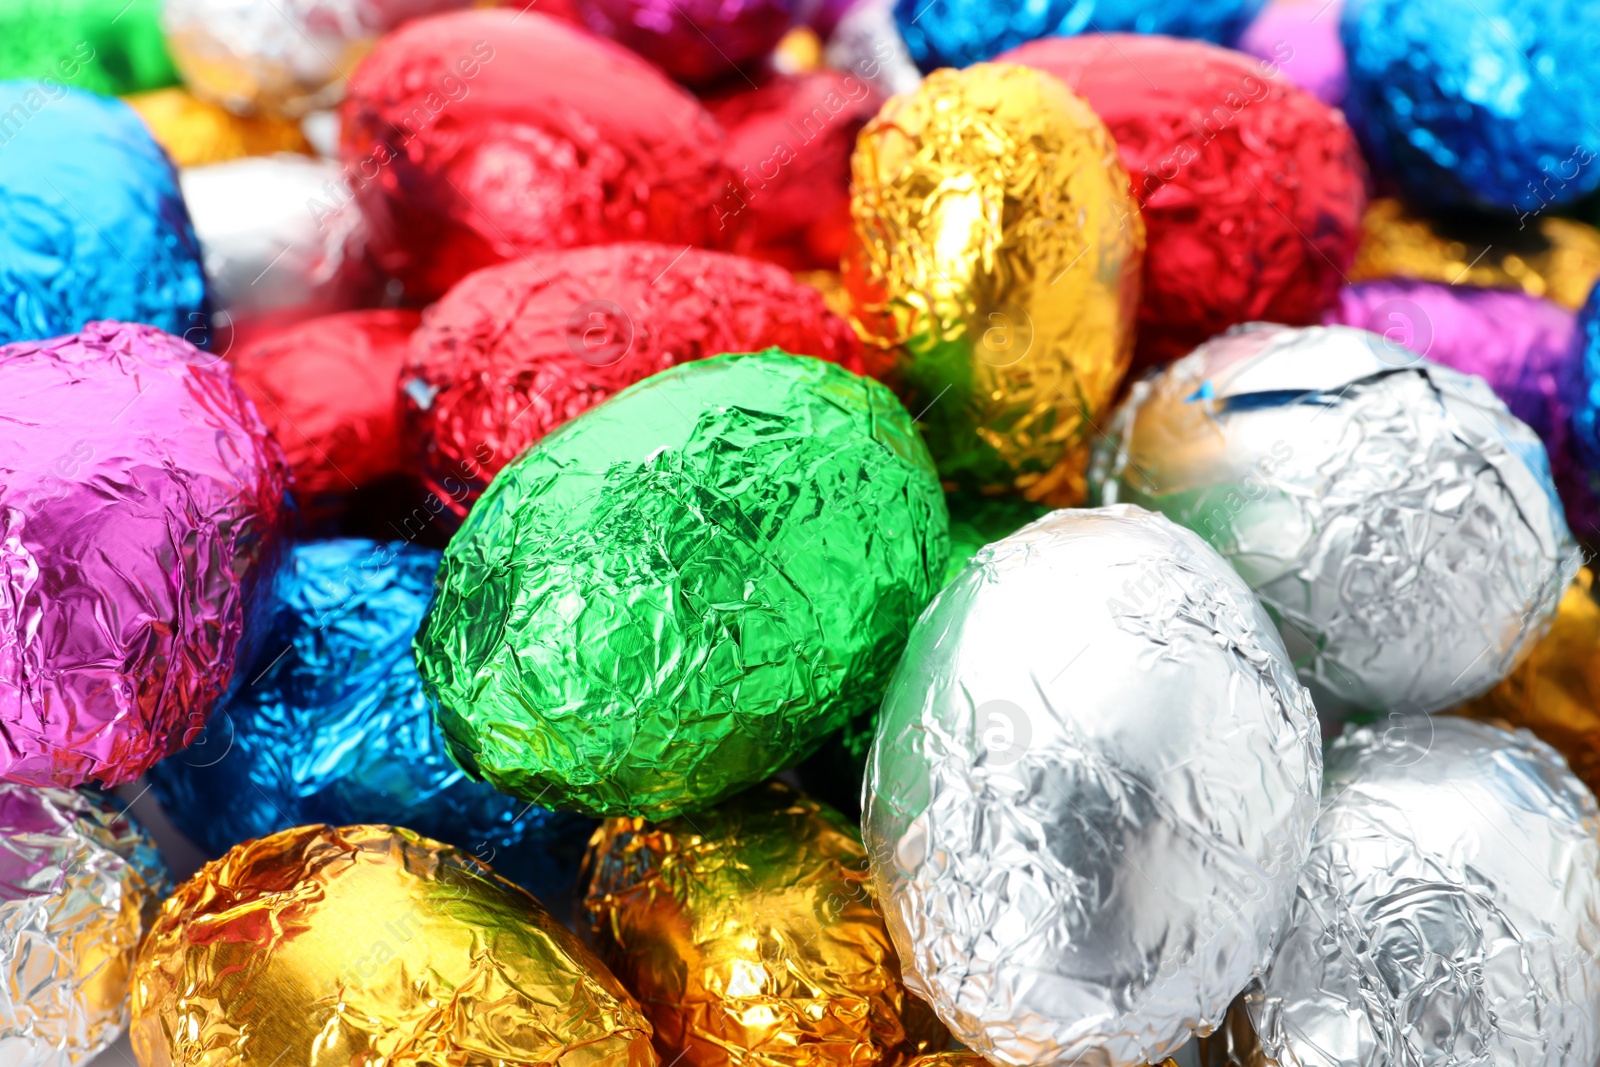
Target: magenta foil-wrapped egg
{"x": 142, "y": 506}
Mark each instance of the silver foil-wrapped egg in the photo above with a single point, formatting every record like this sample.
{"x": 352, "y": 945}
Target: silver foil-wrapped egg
{"x": 79, "y": 884}
{"x": 1449, "y": 913}
{"x": 284, "y": 57}
{"x": 1397, "y": 521}
{"x": 1090, "y": 793}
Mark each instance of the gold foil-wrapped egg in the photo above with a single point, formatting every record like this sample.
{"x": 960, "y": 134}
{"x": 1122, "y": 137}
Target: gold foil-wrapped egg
{"x": 994, "y": 272}
{"x": 1548, "y": 256}
{"x": 367, "y": 946}
{"x": 196, "y": 132}
{"x": 1555, "y": 691}
{"x": 751, "y": 937}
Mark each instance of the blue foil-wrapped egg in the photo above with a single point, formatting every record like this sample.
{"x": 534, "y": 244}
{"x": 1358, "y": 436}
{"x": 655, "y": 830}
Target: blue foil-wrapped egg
{"x": 1586, "y": 405}
{"x": 92, "y": 225}
{"x": 1477, "y": 103}
{"x": 958, "y": 33}
{"x": 331, "y": 726}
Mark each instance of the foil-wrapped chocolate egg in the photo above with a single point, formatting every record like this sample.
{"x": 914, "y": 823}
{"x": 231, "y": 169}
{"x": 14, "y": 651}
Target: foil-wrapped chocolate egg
{"x": 1301, "y": 37}
{"x": 1251, "y": 190}
{"x": 685, "y": 589}
{"x": 483, "y": 136}
{"x": 698, "y": 42}
{"x": 1397, "y": 521}
{"x": 79, "y": 884}
{"x": 994, "y": 272}
{"x": 1491, "y": 104}
{"x": 750, "y": 933}
{"x": 282, "y": 242}
{"x": 514, "y": 352}
{"x": 334, "y": 728}
{"x": 196, "y": 132}
{"x": 102, "y": 46}
{"x": 1586, "y": 398}
{"x": 1449, "y": 912}
{"x": 1091, "y": 792}
{"x": 281, "y": 57}
{"x": 867, "y": 44}
{"x": 142, "y": 502}
{"x": 92, "y": 225}
{"x": 326, "y": 947}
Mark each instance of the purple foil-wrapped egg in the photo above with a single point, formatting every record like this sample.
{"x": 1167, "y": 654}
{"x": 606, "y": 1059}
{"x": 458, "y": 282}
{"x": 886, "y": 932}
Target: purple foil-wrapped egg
{"x": 1302, "y": 38}
{"x": 697, "y": 42}
{"x": 142, "y": 502}
{"x": 1520, "y": 344}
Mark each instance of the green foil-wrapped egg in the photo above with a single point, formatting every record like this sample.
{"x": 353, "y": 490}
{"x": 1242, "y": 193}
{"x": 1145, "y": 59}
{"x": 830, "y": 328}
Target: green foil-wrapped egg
{"x": 686, "y": 588}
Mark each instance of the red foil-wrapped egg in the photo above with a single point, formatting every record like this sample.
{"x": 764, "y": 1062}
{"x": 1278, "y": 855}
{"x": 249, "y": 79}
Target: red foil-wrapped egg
{"x": 515, "y": 351}
{"x": 698, "y": 42}
{"x": 475, "y": 137}
{"x": 1251, "y": 189}
{"x": 326, "y": 389}
{"x": 789, "y": 145}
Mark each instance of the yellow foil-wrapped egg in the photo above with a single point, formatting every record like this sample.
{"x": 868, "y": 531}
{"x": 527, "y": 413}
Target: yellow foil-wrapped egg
{"x": 1548, "y": 256}
{"x": 367, "y": 946}
{"x": 751, "y": 937}
{"x": 195, "y": 132}
{"x": 1555, "y": 691}
{"x": 994, "y": 272}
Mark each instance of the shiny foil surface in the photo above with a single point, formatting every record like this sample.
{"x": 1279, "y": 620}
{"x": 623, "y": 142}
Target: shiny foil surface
{"x": 685, "y": 589}
{"x": 1521, "y": 345}
{"x": 1091, "y": 792}
{"x": 1586, "y": 349}
{"x": 484, "y": 136}
{"x": 281, "y": 57}
{"x": 92, "y": 225}
{"x": 1251, "y": 190}
{"x": 79, "y": 884}
{"x": 195, "y": 132}
{"x": 1450, "y": 910}
{"x": 1491, "y": 104}
{"x": 958, "y": 33}
{"x": 976, "y": 521}
{"x": 995, "y": 272}
{"x": 1556, "y": 258}
{"x": 327, "y": 388}
{"x": 333, "y": 727}
{"x": 751, "y": 937}
{"x": 516, "y": 351}
{"x": 698, "y": 42}
{"x": 867, "y": 43}
{"x": 142, "y": 502}
{"x": 1302, "y": 37}
{"x": 323, "y": 947}
{"x": 282, "y": 241}
{"x": 102, "y": 46}
{"x": 788, "y": 150}
{"x": 1555, "y": 691}
{"x": 1396, "y": 520}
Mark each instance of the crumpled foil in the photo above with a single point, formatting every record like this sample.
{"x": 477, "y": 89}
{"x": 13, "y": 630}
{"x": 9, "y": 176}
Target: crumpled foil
{"x": 195, "y": 132}
{"x": 958, "y": 33}
{"x": 685, "y": 589}
{"x": 962, "y": 1058}
{"x": 333, "y": 727}
{"x": 1556, "y": 258}
{"x": 327, "y": 388}
{"x": 1450, "y": 910}
{"x": 281, "y": 57}
{"x": 994, "y": 273}
{"x": 1091, "y": 793}
{"x": 515, "y": 351}
{"x": 1586, "y": 398}
{"x": 103, "y": 46}
{"x": 698, "y": 42}
{"x": 1520, "y": 344}
{"x": 1491, "y": 104}
{"x": 281, "y": 240}
{"x": 867, "y": 44}
{"x": 142, "y": 503}
{"x": 1251, "y": 190}
{"x": 1301, "y": 37}
{"x": 79, "y": 883}
{"x": 92, "y": 225}
{"x": 323, "y": 947}
{"x": 751, "y": 936}
{"x": 483, "y": 136}
{"x": 1396, "y": 520}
